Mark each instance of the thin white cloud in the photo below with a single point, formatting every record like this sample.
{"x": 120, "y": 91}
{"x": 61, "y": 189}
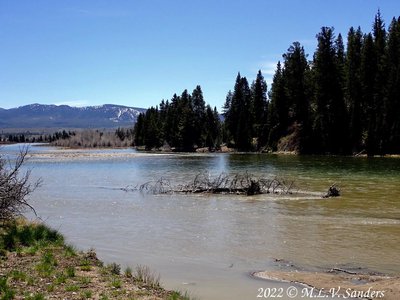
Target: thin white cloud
{"x": 268, "y": 68}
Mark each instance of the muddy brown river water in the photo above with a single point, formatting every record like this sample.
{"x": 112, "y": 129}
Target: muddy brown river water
{"x": 209, "y": 245}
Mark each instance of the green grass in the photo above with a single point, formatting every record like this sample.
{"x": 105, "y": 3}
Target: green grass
{"x": 86, "y": 295}
{"x": 114, "y": 268}
{"x": 60, "y": 278}
{"x": 180, "y": 296}
{"x": 6, "y": 293}
{"x": 70, "y": 251}
{"x": 47, "y": 265}
{"x": 18, "y": 275}
{"x": 28, "y": 238}
{"x": 38, "y": 296}
{"x": 31, "y": 250}
{"x": 104, "y": 297}
{"x": 85, "y": 264}
{"x": 128, "y": 272}
{"x": 72, "y": 288}
{"x": 70, "y": 271}
{"x": 85, "y": 280}
{"x": 116, "y": 282}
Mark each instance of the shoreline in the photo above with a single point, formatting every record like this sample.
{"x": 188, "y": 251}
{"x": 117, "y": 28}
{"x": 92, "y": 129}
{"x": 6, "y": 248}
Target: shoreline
{"x": 224, "y": 149}
{"x": 36, "y": 263}
{"x": 339, "y": 283}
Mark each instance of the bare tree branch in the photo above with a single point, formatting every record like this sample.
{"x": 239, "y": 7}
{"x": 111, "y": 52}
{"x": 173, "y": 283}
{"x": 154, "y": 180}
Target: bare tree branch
{"x": 15, "y": 186}
{"x": 241, "y": 184}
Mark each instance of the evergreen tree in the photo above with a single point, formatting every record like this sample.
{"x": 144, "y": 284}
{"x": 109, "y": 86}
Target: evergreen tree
{"x": 232, "y": 109}
{"x": 228, "y": 116}
{"x": 296, "y": 89}
{"x": 212, "y": 128}
{"x": 199, "y": 111}
{"x": 242, "y": 99}
{"x": 187, "y": 130}
{"x": 152, "y": 137}
{"x": 171, "y": 127}
{"x": 368, "y": 74}
{"x": 379, "y": 34}
{"x": 391, "y": 124}
{"x": 139, "y": 130}
{"x": 278, "y": 109}
{"x": 331, "y": 119}
{"x": 353, "y": 89}
{"x": 238, "y": 115}
{"x": 259, "y": 107}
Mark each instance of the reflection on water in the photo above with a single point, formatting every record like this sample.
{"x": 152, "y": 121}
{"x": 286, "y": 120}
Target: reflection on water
{"x": 208, "y": 244}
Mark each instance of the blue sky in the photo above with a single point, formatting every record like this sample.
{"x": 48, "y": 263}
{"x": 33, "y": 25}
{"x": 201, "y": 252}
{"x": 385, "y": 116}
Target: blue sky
{"x": 137, "y": 53}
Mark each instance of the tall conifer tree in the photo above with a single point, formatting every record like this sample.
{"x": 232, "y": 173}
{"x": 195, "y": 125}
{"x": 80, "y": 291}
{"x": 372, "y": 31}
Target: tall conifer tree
{"x": 353, "y": 88}
{"x": 278, "y": 109}
{"x": 259, "y": 109}
{"x": 391, "y": 124}
{"x": 331, "y": 117}
{"x": 296, "y": 89}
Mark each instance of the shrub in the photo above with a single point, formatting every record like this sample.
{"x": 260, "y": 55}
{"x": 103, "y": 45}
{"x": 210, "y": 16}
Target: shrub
{"x": 15, "y": 187}
{"x": 114, "y": 268}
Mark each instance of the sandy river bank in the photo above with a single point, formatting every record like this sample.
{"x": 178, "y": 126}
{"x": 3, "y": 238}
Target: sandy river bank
{"x": 340, "y": 284}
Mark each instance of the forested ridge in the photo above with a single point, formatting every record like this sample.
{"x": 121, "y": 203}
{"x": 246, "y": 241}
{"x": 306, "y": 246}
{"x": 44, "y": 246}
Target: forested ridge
{"x": 345, "y": 100}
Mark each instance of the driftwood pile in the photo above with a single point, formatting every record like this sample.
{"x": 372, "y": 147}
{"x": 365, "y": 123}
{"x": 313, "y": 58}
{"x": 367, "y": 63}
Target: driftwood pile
{"x": 239, "y": 184}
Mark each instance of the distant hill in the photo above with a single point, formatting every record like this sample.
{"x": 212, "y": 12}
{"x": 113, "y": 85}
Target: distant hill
{"x": 64, "y": 116}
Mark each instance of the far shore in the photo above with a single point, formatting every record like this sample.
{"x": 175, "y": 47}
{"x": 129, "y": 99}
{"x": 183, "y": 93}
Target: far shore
{"x": 169, "y": 151}
{"x": 222, "y": 149}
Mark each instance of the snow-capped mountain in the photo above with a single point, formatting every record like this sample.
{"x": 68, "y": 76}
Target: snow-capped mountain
{"x": 64, "y": 116}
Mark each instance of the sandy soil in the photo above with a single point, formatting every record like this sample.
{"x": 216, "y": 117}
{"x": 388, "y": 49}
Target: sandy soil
{"x": 340, "y": 284}
{"x": 69, "y": 154}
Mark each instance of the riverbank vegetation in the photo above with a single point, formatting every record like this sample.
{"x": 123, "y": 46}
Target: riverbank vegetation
{"x": 36, "y": 263}
{"x": 345, "y": 100}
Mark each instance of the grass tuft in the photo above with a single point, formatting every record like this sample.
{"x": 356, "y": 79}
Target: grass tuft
{"x": 147, "y": 277}
{"x": 116, "y": 282}
{"x": 70, "y": 272}
{"x": 19, "y": 235}
{"x": 5, "y": 291}
{"x": 128, "y": 272}
{"x": 35, "y": 297}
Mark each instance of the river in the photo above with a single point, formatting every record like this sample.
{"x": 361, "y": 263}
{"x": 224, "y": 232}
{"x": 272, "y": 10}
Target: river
{"x": 208, "y": 245}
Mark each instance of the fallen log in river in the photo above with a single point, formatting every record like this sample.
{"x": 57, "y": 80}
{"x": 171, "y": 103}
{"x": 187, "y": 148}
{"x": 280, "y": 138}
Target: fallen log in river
{"x": 239, "y": 184}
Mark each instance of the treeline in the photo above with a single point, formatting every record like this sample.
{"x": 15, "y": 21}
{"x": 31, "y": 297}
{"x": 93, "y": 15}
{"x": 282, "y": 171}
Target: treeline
{"x": 28, "y": 137}
{"x": 346, "y": 100}
{"x": 343, "y": 101}
{"x": 90, "y": 138}
{"x": 183, "y": 123}
{"x": 96, "y": 139}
